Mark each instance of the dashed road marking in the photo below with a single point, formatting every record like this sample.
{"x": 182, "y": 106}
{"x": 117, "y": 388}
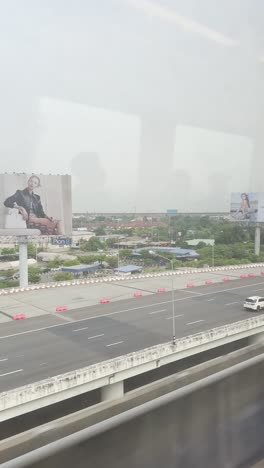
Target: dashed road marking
{"x": 95, "y": 336}
{"x": 157, "y": 311}
{"x": 196, "y": 321}
{"x": 175, "y": 316}
{"x": 114, "y": 344}
{"x": 13, "y": 372}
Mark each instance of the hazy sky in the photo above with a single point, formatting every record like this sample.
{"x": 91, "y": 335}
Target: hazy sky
{"x": 149, "y": 104}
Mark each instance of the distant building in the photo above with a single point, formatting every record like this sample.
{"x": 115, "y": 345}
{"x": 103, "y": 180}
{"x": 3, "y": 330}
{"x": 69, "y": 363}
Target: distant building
{"x": 195, "y": 242}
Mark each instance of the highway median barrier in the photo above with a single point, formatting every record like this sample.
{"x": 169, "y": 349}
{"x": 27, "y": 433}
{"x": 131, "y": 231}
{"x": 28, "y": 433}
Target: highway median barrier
{"x": 138, "y": 294}
{"x": 19, "y": 317}
{"x": 104, "y": 300}
{"x": 61, "y": 308}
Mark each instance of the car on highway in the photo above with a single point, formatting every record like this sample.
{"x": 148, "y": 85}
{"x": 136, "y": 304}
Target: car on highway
{"x": 254, "y": 303}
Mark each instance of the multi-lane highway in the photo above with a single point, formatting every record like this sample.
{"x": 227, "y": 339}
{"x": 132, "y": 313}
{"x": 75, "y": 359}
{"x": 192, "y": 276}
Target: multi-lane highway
{"x": 42, "y": 347}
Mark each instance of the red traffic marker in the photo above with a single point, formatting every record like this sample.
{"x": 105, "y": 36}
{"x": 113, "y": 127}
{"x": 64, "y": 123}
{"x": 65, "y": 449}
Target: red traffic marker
{"x": 262, "y": 273}
{"x": 189, "y": 285}
{"x": 19, "y": 317}
{"x": 137, "y": 294}
{"x": 226, "y": 278}
{"x": 163, "y": 290}
{"x": 104, "y": 300}
{"x": 208, "y": 282}
{"x": 250, "y": 275}
{"x": 243, "y": 276}
{"x": 61, "y": 308}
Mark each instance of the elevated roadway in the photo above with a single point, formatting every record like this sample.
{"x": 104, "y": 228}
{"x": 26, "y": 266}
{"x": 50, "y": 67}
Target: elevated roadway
{"x": 45, "y": 346}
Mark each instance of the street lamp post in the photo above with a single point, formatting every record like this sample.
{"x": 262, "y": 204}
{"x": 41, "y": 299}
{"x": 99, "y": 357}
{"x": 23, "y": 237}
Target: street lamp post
{"x": 172, "y": 295}
{"x": 173, "y": 307}
{"x": 213, "y": 253}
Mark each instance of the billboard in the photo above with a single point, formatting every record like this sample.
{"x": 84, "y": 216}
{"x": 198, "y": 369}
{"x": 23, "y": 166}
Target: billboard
{"x": 61, "y": 241}
{"x": 32, "y": 201}
{"x": 172, "y": 212}
{"x": 247, "y": 207}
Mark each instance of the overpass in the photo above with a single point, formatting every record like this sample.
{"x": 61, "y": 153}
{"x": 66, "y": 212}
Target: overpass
{"x": 110, "y": 375}
{"x": 211, "y": 415}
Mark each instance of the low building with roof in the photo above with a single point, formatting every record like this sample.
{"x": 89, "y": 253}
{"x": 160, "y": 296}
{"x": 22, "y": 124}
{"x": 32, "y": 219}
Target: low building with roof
{"x": 81, "y": 268}
{"x": 128, "y": 269}
{"x": 178, "y": 252}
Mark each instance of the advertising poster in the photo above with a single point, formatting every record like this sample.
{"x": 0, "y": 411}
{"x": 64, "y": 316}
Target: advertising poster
{"x": 247, "y": 207}
{"x": 32, "y": 201}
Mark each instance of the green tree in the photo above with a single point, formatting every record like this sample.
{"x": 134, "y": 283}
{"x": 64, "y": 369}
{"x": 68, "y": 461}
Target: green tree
{"x": 32, "y": 250}
{"x": 7, "y": 273}
{"x": 8, "y": 251}
{"x": 55, "y": 263}
{"x": 34, "y": 275}
{"x": 125, "y": 253}
{"x": 92, "y": 245}
{"x": 112, "y": 261}
{"x": 9, "y": 284}
{"x": 111, "y": 242}
{"x": 62, "y": 276}
{"x": 100, "y": 231}
{"x": 69, "y": 263}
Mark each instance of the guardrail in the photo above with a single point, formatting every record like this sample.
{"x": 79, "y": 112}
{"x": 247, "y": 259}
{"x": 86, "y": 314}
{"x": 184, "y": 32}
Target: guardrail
{"x": 109, "y": 373}
{"x": 108, "y": 279}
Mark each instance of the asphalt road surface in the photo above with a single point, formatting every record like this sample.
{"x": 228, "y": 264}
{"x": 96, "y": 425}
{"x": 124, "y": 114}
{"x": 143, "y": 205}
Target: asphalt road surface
{"x": 42, "y": 347}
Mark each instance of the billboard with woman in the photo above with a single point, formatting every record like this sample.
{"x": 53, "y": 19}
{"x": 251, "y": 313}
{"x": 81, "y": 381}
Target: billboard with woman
{"x": 35, "y": 201}
{"x": 247, "y": 206}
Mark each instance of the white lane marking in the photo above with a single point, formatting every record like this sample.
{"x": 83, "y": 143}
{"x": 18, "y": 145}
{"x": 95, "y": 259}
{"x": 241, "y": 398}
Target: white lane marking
{"x": 256, "y": 290}
{"x": 175, "y": 316}
{"x": 43, "y": 364}
{"x": 13, "y": 372}
{"x": 113, "y": 344}
{"x": 95, "y": 336}
{"x": 210, "y": 300}
{"x": 79, "y": 329}
{"x": 35, "y": 330}
{"x": 191, "y": 292}
{"x": 2, "y": 360}
{"x": 157, "y": 311}
{"x": 196, "y": 321}
{"x": 231, "y": 303}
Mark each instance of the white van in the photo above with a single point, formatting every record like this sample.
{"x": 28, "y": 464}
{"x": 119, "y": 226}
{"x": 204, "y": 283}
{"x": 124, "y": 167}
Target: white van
{"x": 254, "y": 303}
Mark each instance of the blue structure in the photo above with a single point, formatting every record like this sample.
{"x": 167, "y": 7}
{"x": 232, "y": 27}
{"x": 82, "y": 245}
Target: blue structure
{"x": 77, "y": 269}
{"x": 128, "y": 269}
{"x": 178, "y": 252}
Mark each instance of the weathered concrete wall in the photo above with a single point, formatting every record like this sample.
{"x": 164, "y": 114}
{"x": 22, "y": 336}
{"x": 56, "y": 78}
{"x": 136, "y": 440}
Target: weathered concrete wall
{"x": 215, "y": 422}
{"x": 43, "y": 434}
{"x": 40, "y": 394}
{"x": 84, "y": 401}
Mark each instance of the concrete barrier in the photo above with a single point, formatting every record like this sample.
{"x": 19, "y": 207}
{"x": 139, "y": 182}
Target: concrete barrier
{"x": 217, "y": 421}
{"x": 127, "y": 278}
{"x": 107, "y": 373}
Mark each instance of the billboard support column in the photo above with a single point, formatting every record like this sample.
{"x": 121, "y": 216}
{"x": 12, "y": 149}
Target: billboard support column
{"x": 257, "y": 240}
{"x": 23, "y": 261}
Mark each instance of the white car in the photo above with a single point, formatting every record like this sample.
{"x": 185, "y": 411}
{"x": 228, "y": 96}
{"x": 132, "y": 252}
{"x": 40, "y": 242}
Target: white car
{"x": 254, "y": 303}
